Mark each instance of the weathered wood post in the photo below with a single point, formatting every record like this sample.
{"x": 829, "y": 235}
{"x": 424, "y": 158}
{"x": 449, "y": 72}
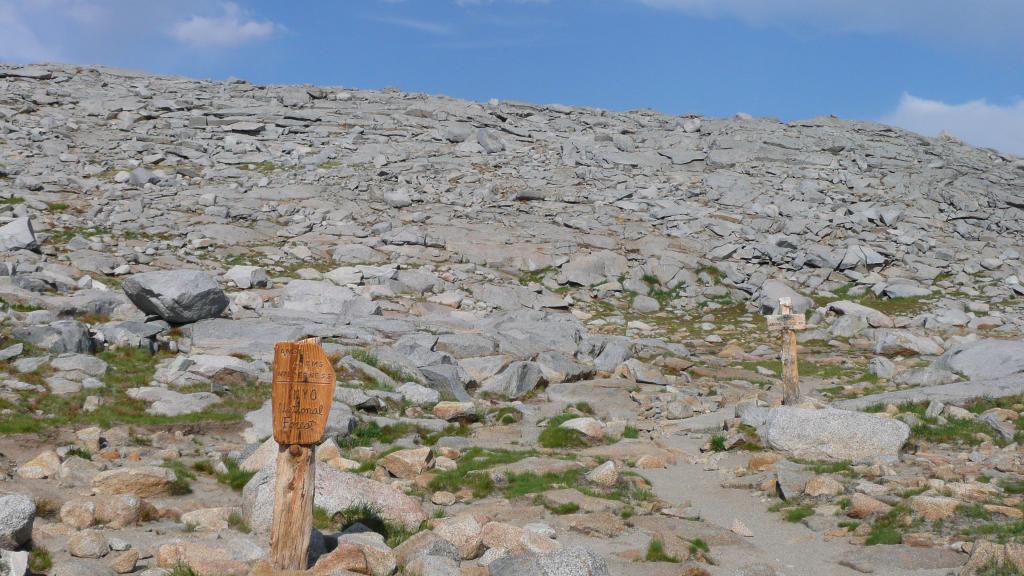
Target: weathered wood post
{"x": 788, "y": 323}
{"x": 301, "y": 396}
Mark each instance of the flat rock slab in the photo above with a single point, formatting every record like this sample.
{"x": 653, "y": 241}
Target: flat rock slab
{"x": 630, "y": 451}
{"x": 538, "y": 465}
{"x": 609, "y": 397}
{"x": 831, "y": 434}
{"x": 946, "y": 393}
{"x": 882, "y": 559}
{"x": 556, "y": 498}
{"x": 253, "y": 337}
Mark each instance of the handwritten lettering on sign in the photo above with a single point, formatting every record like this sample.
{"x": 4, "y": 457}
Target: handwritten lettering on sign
{"x": 302, "y": 392}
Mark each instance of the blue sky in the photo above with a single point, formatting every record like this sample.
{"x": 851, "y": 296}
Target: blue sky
{"x": 927, "y": 65}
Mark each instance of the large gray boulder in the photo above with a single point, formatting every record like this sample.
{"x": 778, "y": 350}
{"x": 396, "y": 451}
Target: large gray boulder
{"x": 319, "y": 297}
{"x": 178, "y": 296}
{"x": 985, "y": 359}
{"x": 574, "y": 561}
{"x": 334, "y": 491}
{"x": 772, "y": 290}
{"x": 594, "y": 268}
{"x": 517, "y": 380}
{"x": 18, "y": 235}
{"x": 17, "y": 512}
{"x": 60, "y": 337}
{"x": 831, "y": 434}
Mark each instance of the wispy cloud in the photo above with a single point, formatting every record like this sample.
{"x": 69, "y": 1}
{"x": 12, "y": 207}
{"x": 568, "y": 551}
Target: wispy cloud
{"x": 976, "y": 122}
{"x": 232, "y": 28}
{"x": 435, "y": 28}
{"x": 18, "y": 41}
{"x": 994, "y": 24}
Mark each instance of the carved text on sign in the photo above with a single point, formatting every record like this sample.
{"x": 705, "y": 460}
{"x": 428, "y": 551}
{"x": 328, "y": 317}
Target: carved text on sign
{"x": 302, "y": 392}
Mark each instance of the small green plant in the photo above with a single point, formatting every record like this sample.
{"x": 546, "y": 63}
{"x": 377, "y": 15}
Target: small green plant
{"x": 367, "y": 516}
{"x": 39, "y": 560}
{"x": 656, "y": 552}
{"x": 883, "y": 535}
{"x": 236, "y": 522}
{"x": 631, "y": 432}
{"x": 566, "y": 508}
{"x": 235, "y": 477}
{"x": 1012, "y": 486}
{"x": 322, "y": 519}
{"x": 56, "y": 206}
{"x": 554, "y": 436}
{"x": 183, "y": 478}
{"x": 203, "y": 466}
{"x": 799, "y": 513}
{"x": 843, "y": 467}
{"x": 11, "y": 201}
{"x": 698, "y": 545}
{"x": 190, "y": 527}
{"x": 718, "y": 443}
{"x": 80, "y": 452}
{"x": 182, "y": 569}
{"x": 973, "y": 511}
{"x": 585, "y": 408}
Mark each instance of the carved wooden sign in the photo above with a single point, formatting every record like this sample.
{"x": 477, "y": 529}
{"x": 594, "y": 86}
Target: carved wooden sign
{"x": 777, "y": 322}
{"x": 302, "y": 392}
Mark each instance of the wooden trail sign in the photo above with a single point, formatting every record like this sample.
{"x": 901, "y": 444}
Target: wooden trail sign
{"x": 788, "y": 323}
{"x": 301, "y": 396}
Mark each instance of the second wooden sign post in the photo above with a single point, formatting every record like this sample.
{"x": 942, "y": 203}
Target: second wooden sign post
{"x": 301, "y": 395}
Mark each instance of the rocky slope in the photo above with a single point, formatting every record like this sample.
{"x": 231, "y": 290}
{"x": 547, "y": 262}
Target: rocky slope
{"x": 547, "y": 324}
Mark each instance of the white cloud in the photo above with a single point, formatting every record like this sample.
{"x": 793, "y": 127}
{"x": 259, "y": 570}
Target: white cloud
{"x": 994, "y": 24}
{"x": 230, "y": 29}
{"x": 976, "y": 122}
{"x": 427, "y": 26}
{"x": 18, "y": 41}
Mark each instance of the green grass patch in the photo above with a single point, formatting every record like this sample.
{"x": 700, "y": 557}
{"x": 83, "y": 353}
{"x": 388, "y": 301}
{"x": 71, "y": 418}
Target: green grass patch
{"x": 127, "y": 368}
{"x": 39, "y": 560}
{"x": 368, "y": 433}
{"x": 973, "y": 511}
{"x": 798, "y": 513}
{"x": 888, "y": 529}
{"x": 367, "y": 516}
{"x": 183, "y": 477}
{"x": 470, "y": 471}
{"x": 235, "y": 477}
{"x": 630, "y": 432}
{"x": 182, "y": 569}
{"x": 843, "y": 467}
{"x": 536, "y": 276}
{"x": 237, "y": 523}
{"x": 12, "y": 201}
{"x": 718, "y": 443}
{"x": 567, "y": 508}
{"x": 553, "y": 436}
{"x": 1001, "y": 532}
{"x": 531, "y": 483}
{"x": 892, "y": 306}
{"x": 80, "y": 452}
{"x": 656, "y": 552}
{"x": 1012, "y": 485}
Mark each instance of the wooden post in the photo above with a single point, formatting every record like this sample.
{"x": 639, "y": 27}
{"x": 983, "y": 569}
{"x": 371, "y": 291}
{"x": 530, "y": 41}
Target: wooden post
{"x": 788, "y": 323}
{"x": 301, "y": 397}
